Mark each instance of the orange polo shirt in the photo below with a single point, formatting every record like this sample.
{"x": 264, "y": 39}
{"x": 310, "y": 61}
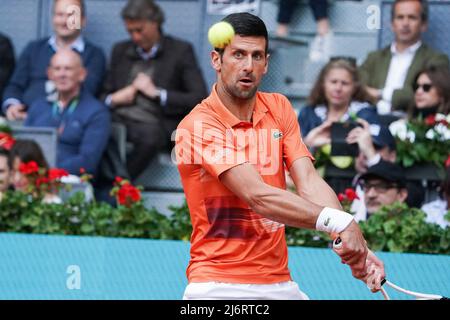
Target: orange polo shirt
{"x": 230, "y": 242}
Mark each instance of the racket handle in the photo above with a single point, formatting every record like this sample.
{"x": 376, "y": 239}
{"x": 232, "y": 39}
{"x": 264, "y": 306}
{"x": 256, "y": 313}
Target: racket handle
{"x": 337, "y": 243}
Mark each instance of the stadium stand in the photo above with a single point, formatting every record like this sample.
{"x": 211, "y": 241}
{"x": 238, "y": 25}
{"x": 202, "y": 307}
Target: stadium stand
{"x": 290, "y": 71}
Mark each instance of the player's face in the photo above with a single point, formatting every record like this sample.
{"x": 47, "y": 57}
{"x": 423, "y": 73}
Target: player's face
{"x": 143, "y": 33}
{"x": 242, "y": 66}
{"x": 339, "y": 87}
{"x": 407, "y": 23}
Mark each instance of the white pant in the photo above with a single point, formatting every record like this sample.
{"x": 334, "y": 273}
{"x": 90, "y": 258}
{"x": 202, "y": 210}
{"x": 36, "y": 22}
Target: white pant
{"x": 288, "y": 290}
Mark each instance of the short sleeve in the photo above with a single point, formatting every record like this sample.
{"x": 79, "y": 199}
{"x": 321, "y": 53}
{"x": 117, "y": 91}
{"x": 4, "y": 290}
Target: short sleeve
{"x": 293, "y": 145}
{"x": 210, "y": 146}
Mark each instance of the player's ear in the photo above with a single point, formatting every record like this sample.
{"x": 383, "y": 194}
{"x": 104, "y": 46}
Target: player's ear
{"x": 216, "y": 60}
{"x": 266, "y": 67}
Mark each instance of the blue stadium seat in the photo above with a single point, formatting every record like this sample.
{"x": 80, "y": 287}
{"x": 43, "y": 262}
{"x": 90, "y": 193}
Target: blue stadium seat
{"x": 21, "y": 21}
{"x": 44, "y": 136}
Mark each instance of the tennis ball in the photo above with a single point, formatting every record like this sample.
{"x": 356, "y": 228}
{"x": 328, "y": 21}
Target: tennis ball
{"x": 220, "y": 34}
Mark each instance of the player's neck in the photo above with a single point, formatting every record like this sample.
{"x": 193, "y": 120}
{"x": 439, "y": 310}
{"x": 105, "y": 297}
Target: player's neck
{"x": 239, "y": 107}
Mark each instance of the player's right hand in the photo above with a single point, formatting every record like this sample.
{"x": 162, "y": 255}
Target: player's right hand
{"x": 16, "y": 112}
{"x": 353, "y": 251}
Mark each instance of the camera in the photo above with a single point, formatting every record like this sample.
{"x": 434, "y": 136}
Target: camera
{"x": 339, "y": 132}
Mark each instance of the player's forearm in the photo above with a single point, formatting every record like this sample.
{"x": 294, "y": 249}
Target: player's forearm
{"x": 319, "y": 193}
{"x": 284, "y": 207}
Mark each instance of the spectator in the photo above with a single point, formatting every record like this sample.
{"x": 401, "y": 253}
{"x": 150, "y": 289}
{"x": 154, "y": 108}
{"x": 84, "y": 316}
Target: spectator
{"x": 153, "y": 82}
{"x": 437, "y": 209}
{"x": 320, "y": 47}
{"x": 374, "y": 148}
{"x": 383, "y": 184}
{"x": 389, "y": 73}
{"x": 336, "y": 96}
{"x": 431, "y": 92}
{"x": 83, "y": 123}
{"x": 29, "y": 80}
{"x": 5, "y": 171}
{"x": 25, "y": 151}
{"x": 6, "y": 62}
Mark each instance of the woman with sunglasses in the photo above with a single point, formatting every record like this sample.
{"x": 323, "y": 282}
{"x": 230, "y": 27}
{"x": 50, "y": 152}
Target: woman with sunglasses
{"x": 431, "y": 92}
{"x": 337, "y": 96}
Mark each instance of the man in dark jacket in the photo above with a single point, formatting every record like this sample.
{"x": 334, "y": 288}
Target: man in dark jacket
{"x": 6, "y": 61}
{"x": 29, "y": 80}
{"x": 154, "y": 80}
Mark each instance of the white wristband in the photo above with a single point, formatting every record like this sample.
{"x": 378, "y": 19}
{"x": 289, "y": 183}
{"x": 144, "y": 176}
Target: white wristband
{"x": 333, "y": 221}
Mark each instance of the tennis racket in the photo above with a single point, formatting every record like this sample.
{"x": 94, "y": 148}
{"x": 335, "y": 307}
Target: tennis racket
{"x": 337, "y": 243}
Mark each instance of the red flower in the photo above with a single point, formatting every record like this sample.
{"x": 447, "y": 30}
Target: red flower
{"x": 351, "y": 194}
{"x": 28, "y": 167}
{"x": 6, "y": 141}
{"x": 56, "y": 174}
{"x": 41, "y": 180}
{"x": 341, "y": 197}
{"x": 118, "y": 180}
{"x": 82, "y": 170}
{"x": 447, "y": 162}
{"x": 444, "y": 122}
{"x": 128, "y": 194}
{"x": 430, "y": 120}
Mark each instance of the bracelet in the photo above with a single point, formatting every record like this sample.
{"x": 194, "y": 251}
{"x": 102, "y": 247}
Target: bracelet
{"x": 333, "y": 220}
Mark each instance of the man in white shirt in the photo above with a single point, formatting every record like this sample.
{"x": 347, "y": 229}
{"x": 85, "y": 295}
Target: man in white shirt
{"x": 389, "y": 73}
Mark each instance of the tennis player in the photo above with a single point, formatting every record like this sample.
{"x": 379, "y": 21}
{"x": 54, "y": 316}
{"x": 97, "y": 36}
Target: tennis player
{"x": 232, "y": 151}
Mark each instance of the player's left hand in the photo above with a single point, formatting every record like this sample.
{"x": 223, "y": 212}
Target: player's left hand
{"x": 375, "y": 272}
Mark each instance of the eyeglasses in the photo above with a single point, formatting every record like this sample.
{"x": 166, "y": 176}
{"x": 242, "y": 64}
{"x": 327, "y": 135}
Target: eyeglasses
{"x": 425, "y": 87}
{"x": 381, "y": 187}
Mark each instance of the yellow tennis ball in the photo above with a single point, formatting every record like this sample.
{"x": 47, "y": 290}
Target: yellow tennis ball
{"x": 220, "y": 34}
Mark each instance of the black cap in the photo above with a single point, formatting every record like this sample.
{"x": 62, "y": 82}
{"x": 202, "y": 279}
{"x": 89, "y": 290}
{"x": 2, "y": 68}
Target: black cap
{"x": 386, "y": 171}
{"x": 384, "y": 138}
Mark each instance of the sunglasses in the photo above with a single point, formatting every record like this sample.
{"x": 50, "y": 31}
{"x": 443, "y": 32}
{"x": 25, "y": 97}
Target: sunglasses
{"x": 425, "y": 87}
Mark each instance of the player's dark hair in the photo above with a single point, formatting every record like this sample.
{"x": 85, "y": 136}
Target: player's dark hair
{"x": 248, "y": 25}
